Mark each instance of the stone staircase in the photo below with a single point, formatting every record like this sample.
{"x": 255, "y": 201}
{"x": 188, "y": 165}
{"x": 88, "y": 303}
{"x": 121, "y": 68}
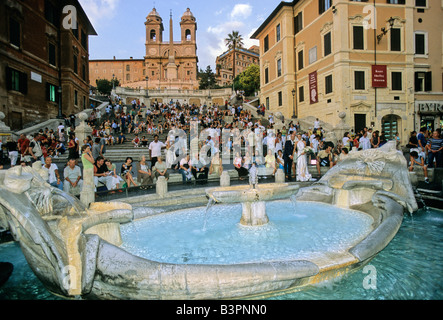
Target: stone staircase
{"x": 118, "y": 152}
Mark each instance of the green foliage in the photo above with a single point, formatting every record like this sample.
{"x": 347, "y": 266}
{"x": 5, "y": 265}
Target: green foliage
{"x": 248, "y": 80}
{"x": 207, "y": 79}
{"x": 105, "y": 86}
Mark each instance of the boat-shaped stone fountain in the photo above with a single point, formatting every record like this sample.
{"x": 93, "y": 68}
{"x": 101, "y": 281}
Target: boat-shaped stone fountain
{"x": 79, "y": 252}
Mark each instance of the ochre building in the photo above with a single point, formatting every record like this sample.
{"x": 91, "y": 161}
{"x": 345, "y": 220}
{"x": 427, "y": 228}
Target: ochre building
{"x": 243, "y": 59}
{"x": 374, "y": 60}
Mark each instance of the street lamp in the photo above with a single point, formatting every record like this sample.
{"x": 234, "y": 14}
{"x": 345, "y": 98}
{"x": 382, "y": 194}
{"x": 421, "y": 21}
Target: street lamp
{"x": 384, "y": 31}
{"x": 113, "y": 82}
{"x": 293, "y": 104}
{"x": 147, "y": 84}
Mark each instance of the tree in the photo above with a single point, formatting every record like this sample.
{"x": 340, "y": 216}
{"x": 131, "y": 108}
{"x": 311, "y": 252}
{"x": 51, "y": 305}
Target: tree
{"x": 233, "y": 41}
{"x": 105, "y": 86}
{"x": 249, "y": 80}
{"x": 207, "y": 79}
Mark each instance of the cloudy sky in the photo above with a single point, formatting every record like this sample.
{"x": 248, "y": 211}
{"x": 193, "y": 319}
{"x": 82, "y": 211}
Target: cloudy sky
{"x": 121, "y": 30}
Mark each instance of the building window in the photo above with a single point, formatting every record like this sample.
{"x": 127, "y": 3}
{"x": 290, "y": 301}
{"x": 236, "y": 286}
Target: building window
{"x": 395, "y": 39}
{"x": 327, "y": 43}
{"x": 420, "y": 43}
{"x": 266, "y": 75}
{"x": 324, "y": 5}
{"x": 84, "y": 72}
{"x": 359, "y": 80}
{"x": 153, "y": 35}
{"x": 300, "y": 60}
{"x": 279, "y": 68}
{"x": 278, "y": 33}
{"x": 396, "y": 1}
{"x": 298, "y": 22}
{"x": 266, "y": 43}
{"x": 301, "y": 94}
{"x": 396, "y": 81}
{"x": 423, "y": 81}
{"x": 16, "y": 80}
{"x": 280, "y": 99}
{"x": 84, "y": 40}
{"x": 75, "y": 64}
{"x": 75, "y": 97}
{"x": 128, "y": 68}
{"x": 188, "y": 35}
{"x": 267, "y": 103}
{"x": 328, "y": 84}
{"x": 51, "y": 93}
{"x": 52, "y": 54}
{"x": 128, "y": 77}
{"x": 420, "y": 3}
{"x": 75, "y": 32}
{"x": 358, "y": 37}
{"x": 14, "y": 32}
{"x": 51, "y": 13}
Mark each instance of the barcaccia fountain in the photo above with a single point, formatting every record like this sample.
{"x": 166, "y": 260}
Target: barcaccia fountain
{"x": 86, "y": 252}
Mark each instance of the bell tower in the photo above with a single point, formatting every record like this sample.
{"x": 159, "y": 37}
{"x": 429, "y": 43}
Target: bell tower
{"x": 188, "y": 27}
{"x": 154, "y": 28}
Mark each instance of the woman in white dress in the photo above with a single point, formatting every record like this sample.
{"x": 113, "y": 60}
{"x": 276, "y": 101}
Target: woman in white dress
{"x": 170, "y": 153}
{"x": 302, "y": 162}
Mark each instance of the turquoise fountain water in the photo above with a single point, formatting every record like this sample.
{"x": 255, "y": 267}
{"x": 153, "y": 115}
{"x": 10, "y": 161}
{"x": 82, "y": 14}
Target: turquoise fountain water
{"x": 189, "y": 237}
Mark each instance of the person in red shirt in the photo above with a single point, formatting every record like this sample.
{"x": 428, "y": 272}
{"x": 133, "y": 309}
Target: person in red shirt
{"x": 23, "y": 146}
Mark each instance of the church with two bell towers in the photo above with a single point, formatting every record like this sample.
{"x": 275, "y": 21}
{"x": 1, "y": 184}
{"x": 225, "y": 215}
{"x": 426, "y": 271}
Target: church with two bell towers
{"x": 167, "y": 65}
{"x": 171, "y": 64}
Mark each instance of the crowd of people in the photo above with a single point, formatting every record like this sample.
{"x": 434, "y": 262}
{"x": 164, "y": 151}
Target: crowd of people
{"x": 426, "y": 150}
{"x": 288, "y": 148}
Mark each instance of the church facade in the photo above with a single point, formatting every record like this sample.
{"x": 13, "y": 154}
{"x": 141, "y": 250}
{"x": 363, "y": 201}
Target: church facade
{"x": 167, "y": 64}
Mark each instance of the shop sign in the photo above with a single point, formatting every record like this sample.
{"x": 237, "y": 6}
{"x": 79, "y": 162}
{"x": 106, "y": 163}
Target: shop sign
{"x": 429, "y": 107}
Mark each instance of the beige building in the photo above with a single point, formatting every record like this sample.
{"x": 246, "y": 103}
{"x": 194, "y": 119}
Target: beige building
{"x": 322, "y": 57}
{"x": 126, "y": 71}
{"x": 428, "y": 63}
{"x": 166, "y": 65}
{"x": 243, "y": 59}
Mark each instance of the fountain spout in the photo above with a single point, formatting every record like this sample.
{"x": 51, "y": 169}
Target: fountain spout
{"x": 253, "y": 200}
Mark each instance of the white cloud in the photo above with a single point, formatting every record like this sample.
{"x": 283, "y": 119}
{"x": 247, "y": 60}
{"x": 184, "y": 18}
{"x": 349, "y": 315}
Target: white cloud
{"x": 99, "y": 10}
{"x": 241, "y": 11}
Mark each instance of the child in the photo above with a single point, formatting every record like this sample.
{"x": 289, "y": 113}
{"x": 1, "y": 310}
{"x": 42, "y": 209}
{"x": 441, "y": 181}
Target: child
{"x": 415, "y": 161}
{"x": 136, "y": 141}
{"x": 253, "y": 175}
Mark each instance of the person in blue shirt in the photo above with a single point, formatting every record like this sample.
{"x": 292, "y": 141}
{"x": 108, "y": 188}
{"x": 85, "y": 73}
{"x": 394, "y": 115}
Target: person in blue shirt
{"x": 435, "y": 147}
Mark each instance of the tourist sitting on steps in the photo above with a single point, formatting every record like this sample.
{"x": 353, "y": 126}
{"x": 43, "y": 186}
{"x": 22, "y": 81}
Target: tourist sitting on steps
{"x": 53, "y": 175}
{"x": 102, "y": 174}
{"x": 160, "y": 169}
{"x": 126, "y": 172}
{"x": 73, "y": 178}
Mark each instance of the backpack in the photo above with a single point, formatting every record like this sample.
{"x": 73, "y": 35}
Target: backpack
{"x": 37, "y": 150}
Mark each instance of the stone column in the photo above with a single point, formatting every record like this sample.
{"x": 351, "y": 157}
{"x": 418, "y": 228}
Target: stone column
{"x": 87, "y": 195}
{"x": 225, "y": 179}
{"x": 83, "y": 130}
{"x": 161, "y": 186}
{"x": 4, "y": 129}
{"x": 280, "y": 176}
